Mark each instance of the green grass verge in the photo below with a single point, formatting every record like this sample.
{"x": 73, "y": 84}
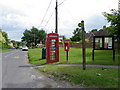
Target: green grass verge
{"x": 5, "y": 50}
{"x": 102, "y": 57}
{"x": 92, "y": 77}
{"x": 35, "y": 56}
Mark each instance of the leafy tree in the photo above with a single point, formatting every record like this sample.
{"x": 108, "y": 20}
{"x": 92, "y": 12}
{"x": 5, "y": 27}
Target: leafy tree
{"x": 77, "y": 35}
{"x": 14, "y": 43}
{"x": 93, "y": 30}
{"x": 104, "y": 28}
{"x": 19, "y": 44}
{"x": 5, "y": 35}
{"x": 34, "y": 36}
{"x": 2, "y": 39}
{"x": 114, "y": 19}
{"x": 41, "y": 36}
{"x": 28, "y": 37}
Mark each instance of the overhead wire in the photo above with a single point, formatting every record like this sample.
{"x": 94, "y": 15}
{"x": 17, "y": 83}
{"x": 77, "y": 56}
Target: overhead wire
{"x": 46, "y": 12}
{"x": 61, "y": 3}
{"x": 48, "y": 19}
{"x": 69, "y": 13}
{"x": 52, "y": 14}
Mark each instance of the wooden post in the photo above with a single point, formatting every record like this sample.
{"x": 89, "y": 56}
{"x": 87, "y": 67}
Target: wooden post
{"x": 67, "y": 55}
{"x": 93, "y": 55}
{"x": 113, "y": 55}
{"x": 56, "y": 24}
{"x": 83, "y": 44}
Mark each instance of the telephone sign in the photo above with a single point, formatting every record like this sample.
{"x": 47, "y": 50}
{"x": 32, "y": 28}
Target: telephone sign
{"x": 52, "y": 46}
{"x": 66, "y": 46}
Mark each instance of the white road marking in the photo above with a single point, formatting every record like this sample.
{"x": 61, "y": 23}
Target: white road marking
{"x": 33, "y": 77}
{"x": 39, "y": 77}
{"x": 16, "y": 57}
{"x": 31, "y": 67}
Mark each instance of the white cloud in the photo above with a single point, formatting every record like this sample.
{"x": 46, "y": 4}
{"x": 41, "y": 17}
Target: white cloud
{"x": 21, "y": 14}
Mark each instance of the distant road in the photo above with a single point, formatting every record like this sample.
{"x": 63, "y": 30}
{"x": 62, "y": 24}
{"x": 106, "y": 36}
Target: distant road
{"x": 16, "y": 73}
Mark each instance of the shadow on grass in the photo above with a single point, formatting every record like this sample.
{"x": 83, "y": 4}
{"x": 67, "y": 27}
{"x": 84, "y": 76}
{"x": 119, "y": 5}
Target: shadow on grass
{"x": 42, "y": 64}
{"x": 39, "y": 59}
{"x": 39, "y": 63}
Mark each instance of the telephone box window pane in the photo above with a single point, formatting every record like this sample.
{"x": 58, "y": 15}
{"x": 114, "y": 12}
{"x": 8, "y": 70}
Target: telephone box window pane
{"x": 53, "y": 49}
{"x": 52, "y": 58}
{"x": 53, "y": 45}
{"x": 52, "y": 54}
{"x": 53, "y": 40}
{"x": 98, "y": 43}
{"x": 108, "y": 43}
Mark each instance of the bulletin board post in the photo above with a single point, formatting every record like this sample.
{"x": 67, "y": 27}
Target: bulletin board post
{"x": 103, "y": 43}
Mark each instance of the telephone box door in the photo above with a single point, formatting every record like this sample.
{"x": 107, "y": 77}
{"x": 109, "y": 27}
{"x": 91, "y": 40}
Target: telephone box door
{"x": 52, "y": 46}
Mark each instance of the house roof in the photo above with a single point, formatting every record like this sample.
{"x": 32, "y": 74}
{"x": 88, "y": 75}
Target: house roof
{"x": 101, "y": 32}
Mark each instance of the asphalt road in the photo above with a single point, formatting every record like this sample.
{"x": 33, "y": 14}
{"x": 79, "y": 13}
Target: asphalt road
{"x": 17, "y": 73}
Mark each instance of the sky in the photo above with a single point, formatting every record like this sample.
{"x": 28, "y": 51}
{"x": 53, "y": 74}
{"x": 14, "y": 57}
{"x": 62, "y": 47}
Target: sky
{"x": 18, "y": 15}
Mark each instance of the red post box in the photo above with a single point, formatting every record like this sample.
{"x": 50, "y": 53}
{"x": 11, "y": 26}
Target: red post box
{"x": 66, "y": 46}
{"x": 52, "y": 48}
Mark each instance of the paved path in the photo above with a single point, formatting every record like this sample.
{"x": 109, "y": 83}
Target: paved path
{"x": 16, "y": 75}
{"x": 104, "y": 66}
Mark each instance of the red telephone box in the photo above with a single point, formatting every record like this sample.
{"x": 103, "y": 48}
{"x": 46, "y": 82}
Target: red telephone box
{"x": 52, "y": 48}
{"x": 66, "y": 46}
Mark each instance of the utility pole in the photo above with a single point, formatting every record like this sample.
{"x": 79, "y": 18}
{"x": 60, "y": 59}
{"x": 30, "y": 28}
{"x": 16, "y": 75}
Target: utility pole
{"x": 118, "y": 4}
{"x": 83, "y": 44}
{"x": 34, "y": 38}
{"x": 56, "y": 9}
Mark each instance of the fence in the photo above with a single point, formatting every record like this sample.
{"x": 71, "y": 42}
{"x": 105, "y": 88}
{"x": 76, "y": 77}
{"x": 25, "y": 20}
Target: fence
{"x": 89, "y": 45}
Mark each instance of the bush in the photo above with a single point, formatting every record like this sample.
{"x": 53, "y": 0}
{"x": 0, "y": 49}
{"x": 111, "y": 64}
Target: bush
{"x": 86, "y": 40}
{"x": 0, "y": 45}
{"x": 4, "y": 45}
{"x": 75, "y": 42}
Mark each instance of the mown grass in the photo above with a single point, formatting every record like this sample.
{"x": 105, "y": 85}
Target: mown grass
{"x": 5, "y": 50}
{"x": 92, "y": 77}
{"x": 35, "y": 56}
{"x": 102, "y": 57}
